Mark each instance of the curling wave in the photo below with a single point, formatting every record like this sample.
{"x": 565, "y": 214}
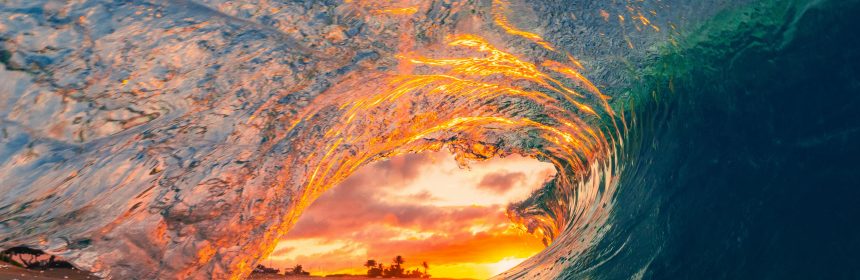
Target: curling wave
{"x": 181, "y": 139}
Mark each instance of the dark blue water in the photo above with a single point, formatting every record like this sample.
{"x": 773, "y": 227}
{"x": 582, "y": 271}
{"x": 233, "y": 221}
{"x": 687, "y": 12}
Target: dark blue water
{"x": 745, "y": 163}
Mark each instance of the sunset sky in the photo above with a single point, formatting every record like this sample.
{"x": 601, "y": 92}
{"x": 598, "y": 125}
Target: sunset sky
{"x": 424, "y": 208}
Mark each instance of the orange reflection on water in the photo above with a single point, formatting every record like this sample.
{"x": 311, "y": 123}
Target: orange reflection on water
{"x": 500, "y": 7}
{"x": 458, "y": 96}
{"x": 473, "y": 80}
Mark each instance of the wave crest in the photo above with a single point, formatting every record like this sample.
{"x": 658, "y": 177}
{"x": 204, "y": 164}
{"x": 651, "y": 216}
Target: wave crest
{"x": 185, "y": 143}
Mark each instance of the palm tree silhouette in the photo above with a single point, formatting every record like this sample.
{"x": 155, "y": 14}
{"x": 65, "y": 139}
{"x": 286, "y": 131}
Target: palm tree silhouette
{"x": 395, "y": 270}
{"x": 397, "y": 267}
{"x": 370, "y": 264}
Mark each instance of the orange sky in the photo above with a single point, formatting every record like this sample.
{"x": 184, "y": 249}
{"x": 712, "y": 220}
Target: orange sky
{"x": 424, "y": 208}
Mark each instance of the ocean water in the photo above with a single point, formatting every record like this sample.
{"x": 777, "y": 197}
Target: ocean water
{"x": 180, "y": 139}
{"x": 741, "y": 163}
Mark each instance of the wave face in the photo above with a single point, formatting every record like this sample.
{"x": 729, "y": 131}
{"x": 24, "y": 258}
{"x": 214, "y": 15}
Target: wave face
{"x": 740, "y": 156}
{"x": 181, "y": 139}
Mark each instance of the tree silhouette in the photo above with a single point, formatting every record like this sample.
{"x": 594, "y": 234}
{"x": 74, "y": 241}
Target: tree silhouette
{"x": 370, "y": 263}
{"x": 262, "y": 269}
{"x": 298, "y": 270}
{"x": 372, "y": 269}
{"x": 32, "y": 255}
{"x": 395, "y": 270}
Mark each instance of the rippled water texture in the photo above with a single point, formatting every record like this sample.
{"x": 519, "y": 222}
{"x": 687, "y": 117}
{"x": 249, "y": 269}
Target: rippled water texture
{"x": 181, "y": 139}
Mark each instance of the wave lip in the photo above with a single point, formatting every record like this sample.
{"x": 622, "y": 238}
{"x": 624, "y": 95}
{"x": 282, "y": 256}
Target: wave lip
{"x": 182, "y": 139}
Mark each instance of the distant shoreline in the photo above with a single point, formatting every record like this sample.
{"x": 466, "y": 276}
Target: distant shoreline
{"x": 345, "y": 277}
{"x": 9, "y": 271}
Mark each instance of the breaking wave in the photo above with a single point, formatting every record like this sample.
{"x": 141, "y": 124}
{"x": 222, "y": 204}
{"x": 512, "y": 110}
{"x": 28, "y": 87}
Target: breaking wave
{"x": 181, "y": 139}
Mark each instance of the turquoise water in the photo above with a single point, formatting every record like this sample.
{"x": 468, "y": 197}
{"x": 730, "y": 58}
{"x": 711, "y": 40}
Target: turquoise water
{"x": 745, "y": 162}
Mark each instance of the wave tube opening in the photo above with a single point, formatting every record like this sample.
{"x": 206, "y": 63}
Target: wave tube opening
{"x": 424, "y": 207}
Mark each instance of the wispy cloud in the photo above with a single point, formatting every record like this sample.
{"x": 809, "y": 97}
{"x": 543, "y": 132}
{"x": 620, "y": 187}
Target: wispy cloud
{"x": 501, "y": 182}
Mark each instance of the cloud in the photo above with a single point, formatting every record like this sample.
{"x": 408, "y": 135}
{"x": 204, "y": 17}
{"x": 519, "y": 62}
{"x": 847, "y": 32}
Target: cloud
{"x": 324, "y": 254}
{"x": 348, "y": 210}
{"x": 403, "y": 168}
{"x": 437, "y": 234}
{"x": 501, "y": 182}
{"x": 459, "y": 248}
{"x": 374, "y": 214}
{"x": 283, "y": 251}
